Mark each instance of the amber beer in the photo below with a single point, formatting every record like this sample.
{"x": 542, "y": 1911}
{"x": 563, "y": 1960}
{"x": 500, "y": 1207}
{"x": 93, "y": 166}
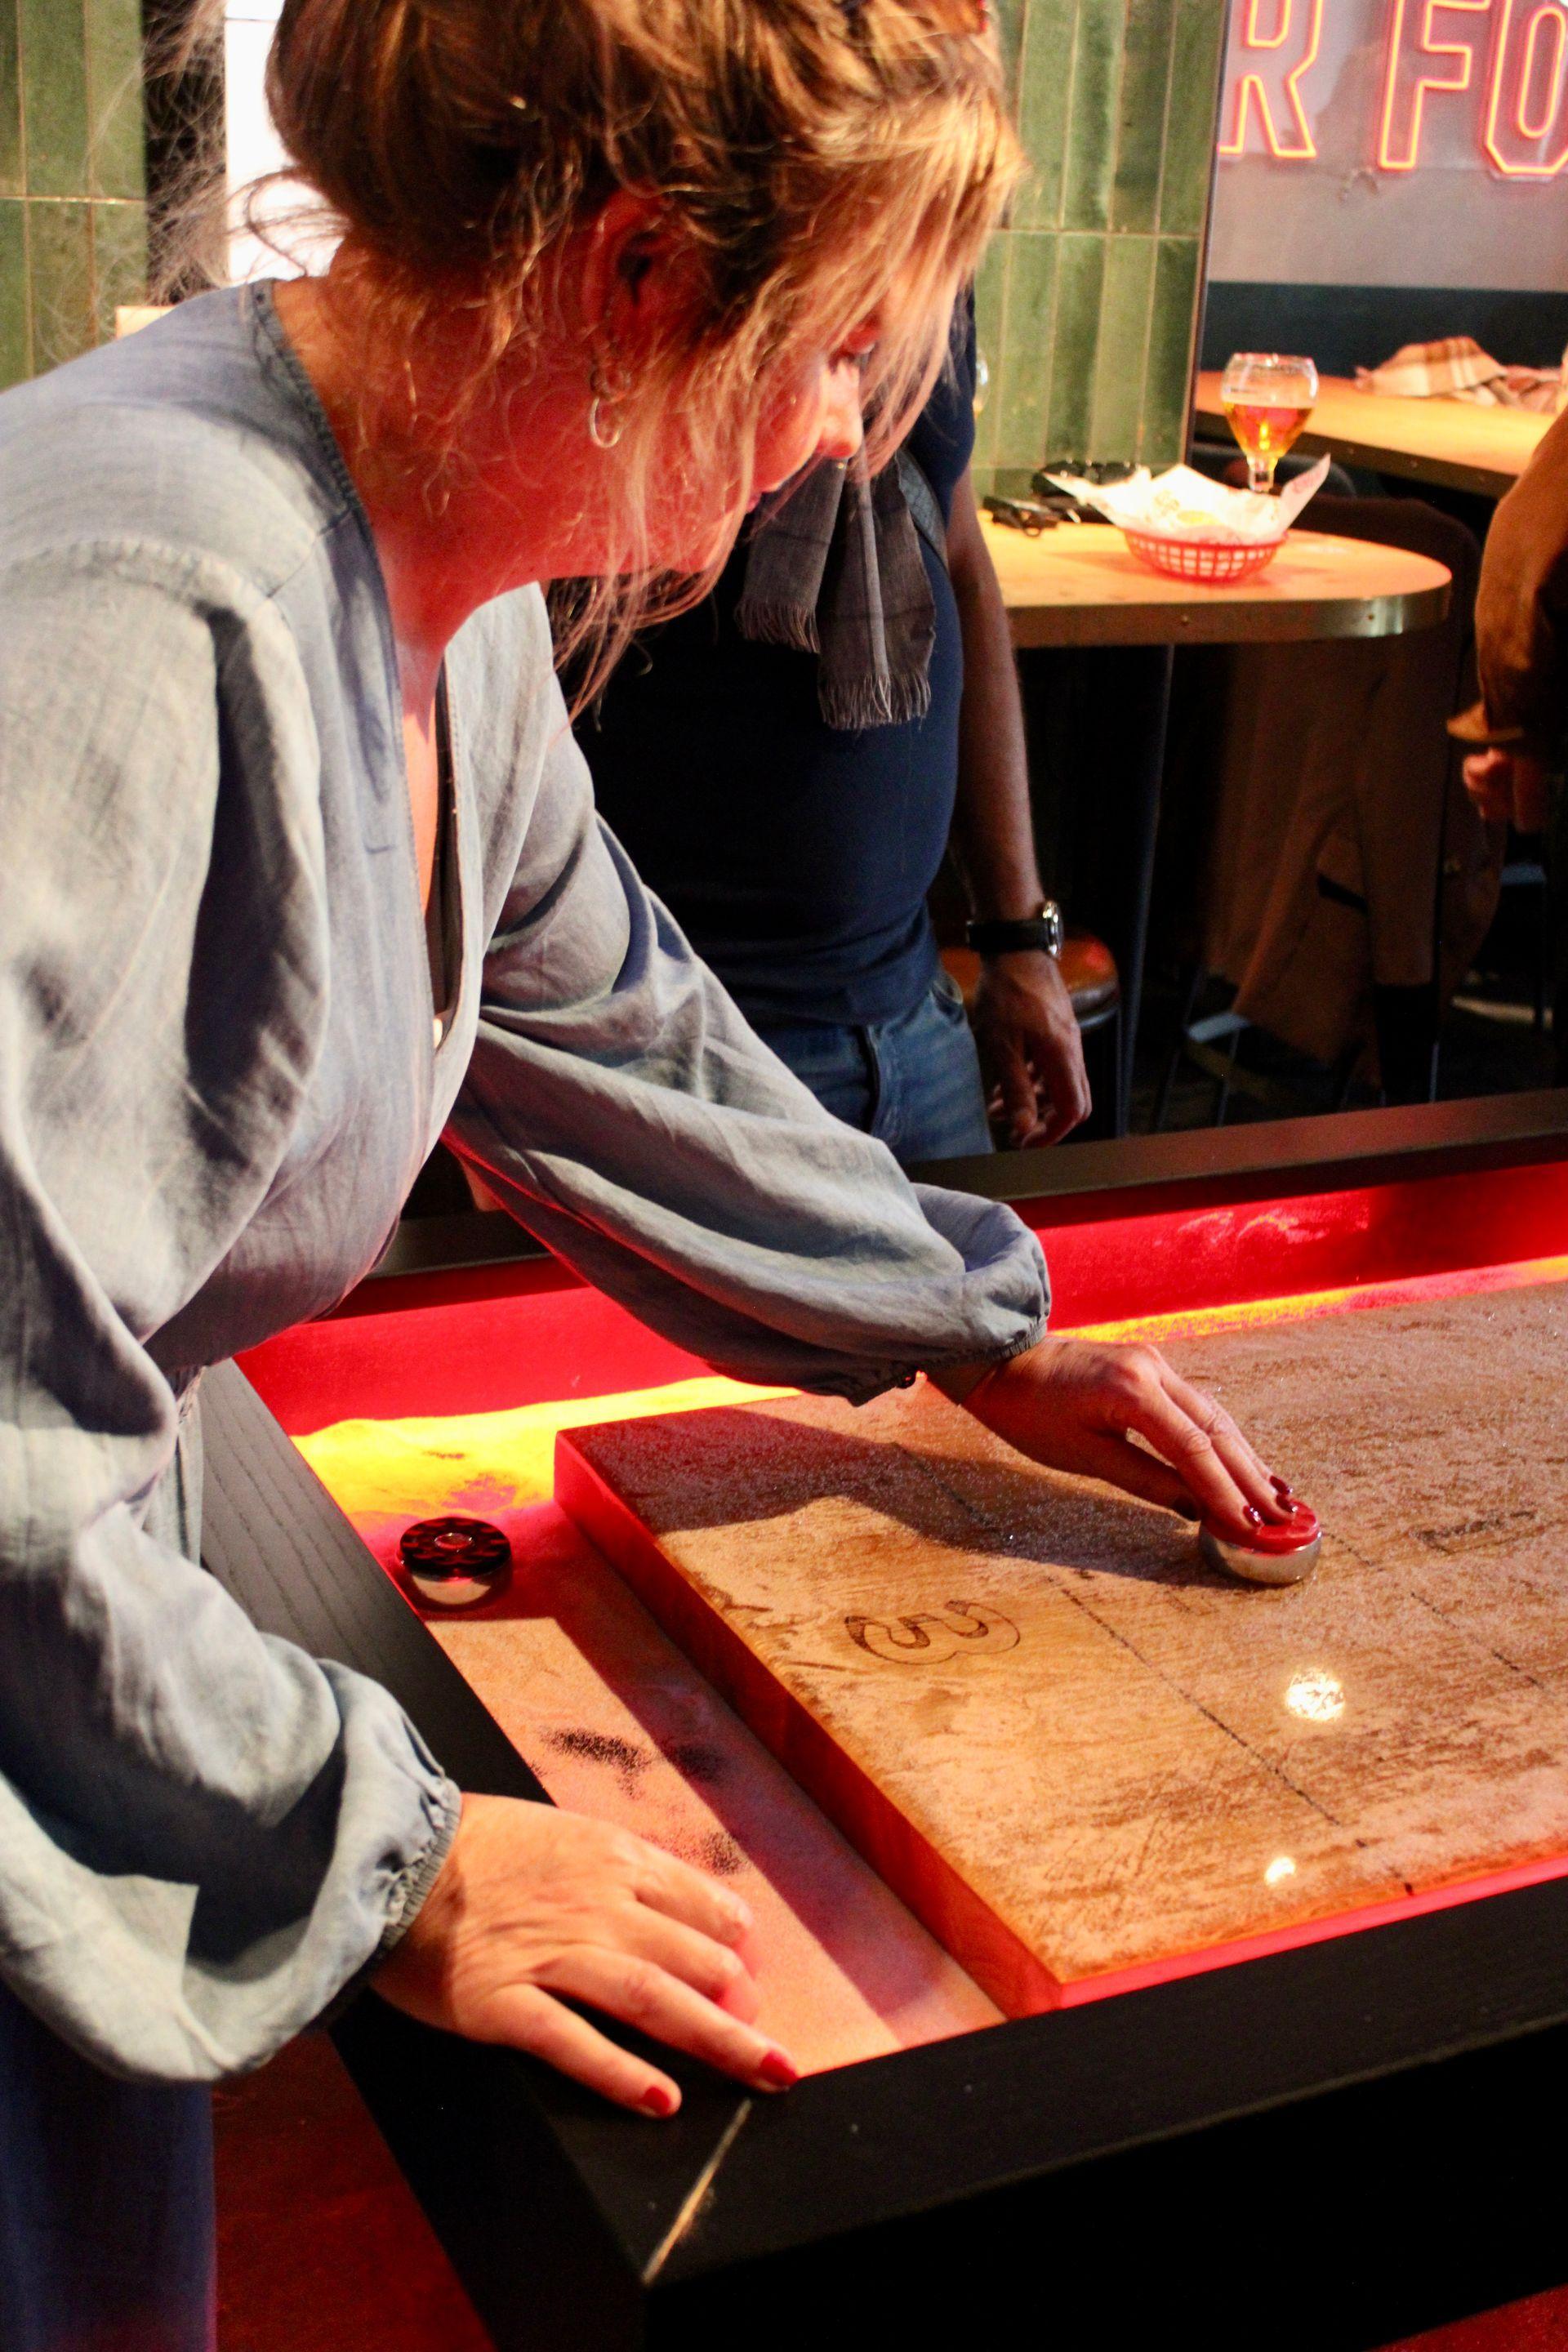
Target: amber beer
{"x": 1267, "y": 398}
{"x": 1266, "y": 432}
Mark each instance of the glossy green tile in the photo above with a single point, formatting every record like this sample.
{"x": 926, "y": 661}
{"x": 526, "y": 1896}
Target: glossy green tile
{"x": 60, "y": 271}
{"x": 54, "y": 96}
{"x": 1194, "y": 110}
{"x": 1090, "y": 332}
{"x": 15, "y": 356}
{"x": 1080, "y": 279}
{"x": 990, "y": 314}
{"x": 1123, "y": 344}
{"x": 1044, "y": 88}
{"x": 1029, "y": 353}
{"x": 1171, "y": 325}
{"x": 115, "y": 98}
{"x": 1140, "y": 113}
{"x": 11, "y": 180}
{"x": 119, "y": 262}
{"x": 1010, "y": 16}
{"x": 1091, "y": 115}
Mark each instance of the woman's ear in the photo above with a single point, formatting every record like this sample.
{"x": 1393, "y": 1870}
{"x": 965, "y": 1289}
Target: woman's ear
{"x": 636, "y": 276}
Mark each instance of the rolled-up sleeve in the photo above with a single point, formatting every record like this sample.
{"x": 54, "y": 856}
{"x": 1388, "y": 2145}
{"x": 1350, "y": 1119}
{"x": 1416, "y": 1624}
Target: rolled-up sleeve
{"x": 204, "y": 1834}
{"x": 622, "y": 1110}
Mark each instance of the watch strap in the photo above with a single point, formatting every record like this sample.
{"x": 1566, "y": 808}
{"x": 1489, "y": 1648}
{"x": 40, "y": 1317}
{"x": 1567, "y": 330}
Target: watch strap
{"x": 1040, "y": 934}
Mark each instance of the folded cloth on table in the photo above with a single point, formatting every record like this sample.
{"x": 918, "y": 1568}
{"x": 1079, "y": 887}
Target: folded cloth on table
{"x": 1454, "y": 367}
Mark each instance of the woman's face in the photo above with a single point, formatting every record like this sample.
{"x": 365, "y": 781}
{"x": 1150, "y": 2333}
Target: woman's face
{"x": 812, "y": 414}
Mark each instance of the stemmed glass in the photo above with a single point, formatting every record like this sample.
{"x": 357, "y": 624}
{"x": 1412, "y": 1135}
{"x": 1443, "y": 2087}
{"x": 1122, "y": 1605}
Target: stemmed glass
{"x": 1268, "y": 397}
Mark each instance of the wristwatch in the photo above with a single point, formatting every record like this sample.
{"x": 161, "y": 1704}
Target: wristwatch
{"x": 1042, "y": 929}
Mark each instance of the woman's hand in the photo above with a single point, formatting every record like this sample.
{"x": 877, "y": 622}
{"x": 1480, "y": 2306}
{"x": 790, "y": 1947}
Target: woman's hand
{"x": 1076, "y": 1404}
{"x": 535, "y": 1908}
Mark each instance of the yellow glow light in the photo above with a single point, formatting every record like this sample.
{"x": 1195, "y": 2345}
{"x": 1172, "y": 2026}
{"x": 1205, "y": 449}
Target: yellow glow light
{"x": 1281, "y": 1867}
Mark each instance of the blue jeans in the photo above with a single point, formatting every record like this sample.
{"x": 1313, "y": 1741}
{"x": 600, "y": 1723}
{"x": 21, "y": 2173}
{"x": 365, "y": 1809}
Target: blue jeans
{"x": 913, "y": 1082}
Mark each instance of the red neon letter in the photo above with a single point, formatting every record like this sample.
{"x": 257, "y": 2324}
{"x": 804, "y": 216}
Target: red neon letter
{"x": 1413, "y": 45}
{"x": 1268, "y": 59}
{"x": 1527, "y": 122}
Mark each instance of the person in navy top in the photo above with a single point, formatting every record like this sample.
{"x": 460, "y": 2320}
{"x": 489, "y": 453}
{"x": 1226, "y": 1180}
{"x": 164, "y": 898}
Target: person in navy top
{"x": 797, "y": 856}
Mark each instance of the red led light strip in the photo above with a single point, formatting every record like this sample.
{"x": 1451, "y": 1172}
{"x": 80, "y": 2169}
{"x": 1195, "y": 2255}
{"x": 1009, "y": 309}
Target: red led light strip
{"x": 1305, "y": 1306}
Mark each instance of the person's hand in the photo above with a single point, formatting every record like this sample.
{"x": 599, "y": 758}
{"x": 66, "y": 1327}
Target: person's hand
{"x": 534, "y": 1908}
{"x": 1077, "y": 1404}
{"x": 1508, "y": 788}
{"x": 1030, "y": 1047}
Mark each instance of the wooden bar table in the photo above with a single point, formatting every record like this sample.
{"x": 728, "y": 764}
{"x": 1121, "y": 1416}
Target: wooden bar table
{"x": 1080, "y": 585}
{"x": 1450, "y": 442}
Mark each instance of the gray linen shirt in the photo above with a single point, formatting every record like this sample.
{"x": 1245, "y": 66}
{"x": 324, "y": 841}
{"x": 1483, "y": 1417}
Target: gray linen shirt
{"x": 216, "y": 1083}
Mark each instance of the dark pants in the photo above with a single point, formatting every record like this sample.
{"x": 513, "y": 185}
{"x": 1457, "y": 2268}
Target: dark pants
{"x": 913, "y": 1082}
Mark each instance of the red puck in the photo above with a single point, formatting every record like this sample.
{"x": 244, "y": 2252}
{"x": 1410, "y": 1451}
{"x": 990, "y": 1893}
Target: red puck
{"x": 1281, "y": 1551}
{"x": 453, "y": 1561}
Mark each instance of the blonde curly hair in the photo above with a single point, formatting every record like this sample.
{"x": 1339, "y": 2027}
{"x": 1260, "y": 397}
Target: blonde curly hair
{"x": 822, "y": 160}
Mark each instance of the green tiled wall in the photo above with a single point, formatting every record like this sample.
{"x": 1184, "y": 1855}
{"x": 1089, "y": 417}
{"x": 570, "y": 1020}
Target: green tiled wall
{"x": 73, "y": 230}
{"x": 1088, "y": 300}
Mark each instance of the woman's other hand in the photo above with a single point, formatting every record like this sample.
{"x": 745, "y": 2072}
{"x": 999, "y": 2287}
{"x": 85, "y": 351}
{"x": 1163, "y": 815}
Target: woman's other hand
{"x": 535, "y": 1907}
{"x": 1077, "y": 1404}
{"x": 1508, "y": 788}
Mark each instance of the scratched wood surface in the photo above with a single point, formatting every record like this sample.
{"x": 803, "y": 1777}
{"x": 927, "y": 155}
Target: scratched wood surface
{"x": 1118, "y": 1758}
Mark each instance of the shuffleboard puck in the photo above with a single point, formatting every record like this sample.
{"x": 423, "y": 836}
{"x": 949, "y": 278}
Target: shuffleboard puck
{"x": 453, "y": 1562}
{"x": 1282, "y": 1553}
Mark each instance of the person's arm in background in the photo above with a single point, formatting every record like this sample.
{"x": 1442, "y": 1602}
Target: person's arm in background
{"x": 1024, "y": 1018}
{"x": 1521, "y": 644}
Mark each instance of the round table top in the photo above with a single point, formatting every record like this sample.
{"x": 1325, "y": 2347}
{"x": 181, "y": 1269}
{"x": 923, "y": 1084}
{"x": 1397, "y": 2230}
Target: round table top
{"x": 1080, "y": 584}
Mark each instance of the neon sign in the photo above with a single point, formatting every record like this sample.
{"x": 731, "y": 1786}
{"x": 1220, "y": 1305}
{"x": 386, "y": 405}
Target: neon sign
{"x": 1503, "y": 63}
{"x": 1272, "y": 91}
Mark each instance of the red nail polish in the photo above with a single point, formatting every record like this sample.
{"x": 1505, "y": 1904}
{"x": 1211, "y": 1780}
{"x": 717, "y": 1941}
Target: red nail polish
{"x": 1253, "y": 1516}
{"x": 1283, "y": 1488}
{"x": 657, "y": 2101}
{"x": 781, "y": 2072}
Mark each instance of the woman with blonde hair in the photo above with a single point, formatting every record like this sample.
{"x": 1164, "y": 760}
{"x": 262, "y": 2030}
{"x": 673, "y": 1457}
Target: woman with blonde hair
{"x": 302, "y": 869}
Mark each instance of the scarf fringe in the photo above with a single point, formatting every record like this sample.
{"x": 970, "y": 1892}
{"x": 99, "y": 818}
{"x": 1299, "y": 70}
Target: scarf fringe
{"x": 778, "y": 625}
{"x": 855, "y": 704}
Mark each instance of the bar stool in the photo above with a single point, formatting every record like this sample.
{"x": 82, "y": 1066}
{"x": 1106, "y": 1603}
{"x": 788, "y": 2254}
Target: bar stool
{"x": 1094, "y": 984}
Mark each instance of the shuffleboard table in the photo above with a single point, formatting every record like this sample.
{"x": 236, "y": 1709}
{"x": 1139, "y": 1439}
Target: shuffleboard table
{"x": 1162, "y": 1954}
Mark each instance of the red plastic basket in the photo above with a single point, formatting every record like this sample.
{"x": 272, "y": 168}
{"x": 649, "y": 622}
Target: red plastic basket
{"x": 1216, "y": 562}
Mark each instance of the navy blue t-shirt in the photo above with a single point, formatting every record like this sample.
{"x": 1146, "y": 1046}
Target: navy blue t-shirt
{"x": 796, "y": 856}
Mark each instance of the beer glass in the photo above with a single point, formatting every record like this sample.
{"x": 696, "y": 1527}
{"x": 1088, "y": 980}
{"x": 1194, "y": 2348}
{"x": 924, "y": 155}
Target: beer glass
{"x": 1267, "y": 398}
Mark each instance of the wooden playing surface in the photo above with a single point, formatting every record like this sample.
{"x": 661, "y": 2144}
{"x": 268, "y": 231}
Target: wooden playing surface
{"x": 1082, "y": 1758}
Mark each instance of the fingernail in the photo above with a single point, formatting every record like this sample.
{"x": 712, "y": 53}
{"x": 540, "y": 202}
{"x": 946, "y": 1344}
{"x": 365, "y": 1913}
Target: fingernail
{"x": 782, "y": 2073}
{"x": 659, "y": 2100}
{"x": 1253, "y": 1516}
{"x": 1283, "y": 1488}
{"x": 741, "y": 1915}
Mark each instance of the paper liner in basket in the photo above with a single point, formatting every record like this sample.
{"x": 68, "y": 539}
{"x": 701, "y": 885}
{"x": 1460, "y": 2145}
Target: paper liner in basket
{"x": 1182, "y": 504}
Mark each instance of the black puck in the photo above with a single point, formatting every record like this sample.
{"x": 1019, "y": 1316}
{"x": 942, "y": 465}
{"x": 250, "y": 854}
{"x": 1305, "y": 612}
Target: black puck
{"x": 453, "y": 1561}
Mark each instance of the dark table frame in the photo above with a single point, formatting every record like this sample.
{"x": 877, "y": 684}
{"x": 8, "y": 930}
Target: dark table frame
{"x": 1329, "y": 2147}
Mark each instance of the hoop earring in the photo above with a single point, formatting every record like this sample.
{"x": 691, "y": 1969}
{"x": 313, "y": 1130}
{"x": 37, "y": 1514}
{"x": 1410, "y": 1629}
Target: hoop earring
{"x": 604, "y": 430}
{"x": 604, "y": 424}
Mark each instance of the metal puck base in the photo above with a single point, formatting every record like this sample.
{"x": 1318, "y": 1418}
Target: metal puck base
{"x": 1259, "y": 1567}
{"x": 453, "y": 1562}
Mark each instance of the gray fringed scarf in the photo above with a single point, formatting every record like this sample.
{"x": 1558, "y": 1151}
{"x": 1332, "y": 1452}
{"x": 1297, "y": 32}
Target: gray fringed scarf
{"x": 835, "y": 570}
